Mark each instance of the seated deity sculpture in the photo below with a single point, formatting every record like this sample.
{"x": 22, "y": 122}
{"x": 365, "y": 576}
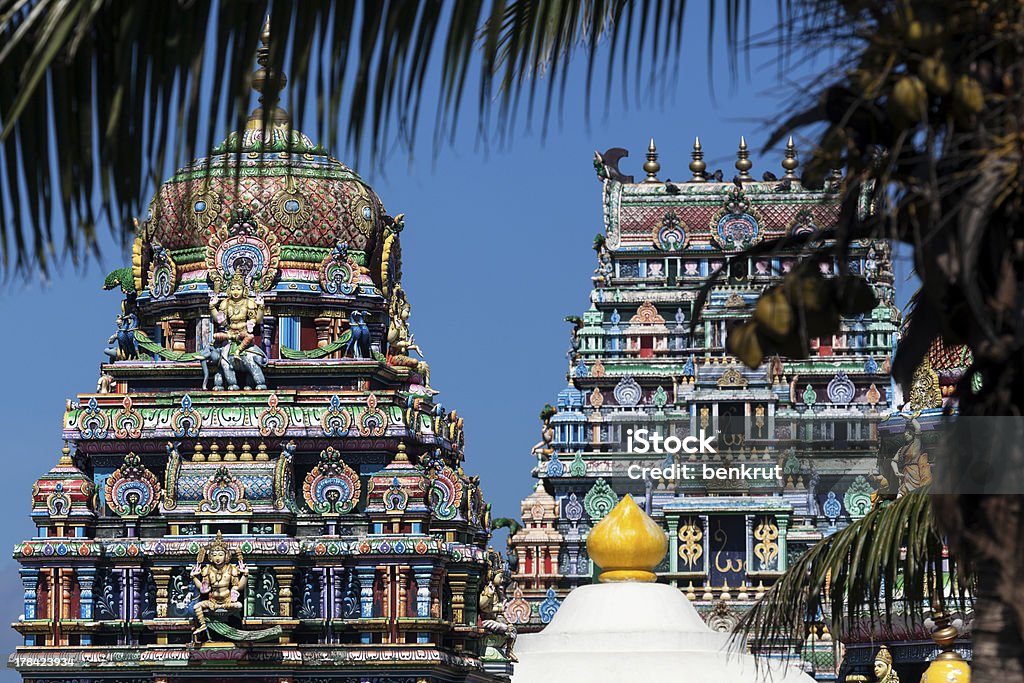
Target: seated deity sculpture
{"x": 220, "y": 581}
{"x": 236, "y": 316}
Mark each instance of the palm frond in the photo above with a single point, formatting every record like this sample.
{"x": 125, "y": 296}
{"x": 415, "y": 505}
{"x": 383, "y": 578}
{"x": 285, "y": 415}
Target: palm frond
{"x": 892, "y": 561}
{"x": 100, "y": 99}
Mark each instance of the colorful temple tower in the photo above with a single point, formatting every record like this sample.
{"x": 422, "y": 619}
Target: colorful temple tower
{"x": 642, "y": 359}
{"x": 263, "y": 486}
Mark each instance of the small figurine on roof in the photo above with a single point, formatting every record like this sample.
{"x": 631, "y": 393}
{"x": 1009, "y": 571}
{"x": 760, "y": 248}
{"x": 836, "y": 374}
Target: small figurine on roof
{"x": 547, "y": 433}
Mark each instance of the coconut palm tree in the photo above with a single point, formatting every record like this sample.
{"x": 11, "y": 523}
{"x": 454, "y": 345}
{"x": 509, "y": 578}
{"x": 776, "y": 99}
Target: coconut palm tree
{"x": 922, "y": 109}
{"x": 924, "y": 113}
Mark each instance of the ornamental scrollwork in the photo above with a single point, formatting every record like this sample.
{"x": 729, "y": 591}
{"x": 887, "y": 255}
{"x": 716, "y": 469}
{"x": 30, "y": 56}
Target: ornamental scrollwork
{"x": 372, "y": 420}
{"x": 766, "y": 550}
{"x": 132, "y": 490}
{"x": 332, "y": 487}
{"x": 273, "y": 421}
{"x": 691, "y": 543}
{"x": 335, "y": 421}
{"x": 223, "y": 493}
{"x": 127, "y": 421}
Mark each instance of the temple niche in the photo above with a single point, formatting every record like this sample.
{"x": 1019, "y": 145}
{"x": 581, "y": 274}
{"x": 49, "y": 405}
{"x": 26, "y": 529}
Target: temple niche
{"x": 263, "y": 485}
{"x": 643, "y": 356}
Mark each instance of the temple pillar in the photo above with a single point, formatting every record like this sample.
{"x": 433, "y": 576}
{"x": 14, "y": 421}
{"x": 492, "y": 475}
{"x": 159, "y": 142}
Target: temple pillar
{"x": 269, "y": 326}
{"x": 66, "y": 582}
{"x": 329, "y": 601}
{"x": 162, "y": 579}
{"x": 29, "y": 582}
{"x": 340, "y": 584}
{"x": 136, "y": 604}
{"x": 177, "y": 329}
{"x": 457, "y": 581}
{"x": 705, "y": 526}
{"x": 402, "y": 592}
{"x": 783, "y": 549}
{"x": 285, "y": 577}
{"x": 673, "y": 545}
{"x": 250, "y": 595}
{"x": 366, "y": 578}
{"x": 424, "y": 575}
{"x": 749, "y": 520}
{"x": 86, "y": 581}
{"x": 323, "y": 331}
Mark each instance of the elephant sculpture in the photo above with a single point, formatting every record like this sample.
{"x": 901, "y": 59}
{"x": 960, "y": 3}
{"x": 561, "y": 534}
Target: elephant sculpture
{"x": 228, "y": 367}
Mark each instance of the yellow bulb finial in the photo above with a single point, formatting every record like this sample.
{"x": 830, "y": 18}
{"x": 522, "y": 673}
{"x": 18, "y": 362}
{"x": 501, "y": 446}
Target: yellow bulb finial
{"x": 627, "y": 544}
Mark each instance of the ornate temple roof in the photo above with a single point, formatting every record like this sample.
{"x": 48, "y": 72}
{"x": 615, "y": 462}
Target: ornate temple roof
{"x": 64, "y": 492}
{"x": 271, "y": 185}
{"x": 306, "y": 197}
{"x": 704, "y": 215}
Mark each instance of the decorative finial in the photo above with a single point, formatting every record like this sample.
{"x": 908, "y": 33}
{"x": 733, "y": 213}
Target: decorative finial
{"x": 651, "y": 166}
{"x": 627, "y": 544}
{"x": 697, "y": 165}
{"x": 790, "y": 163}
{"x": 948, "y": 666}
{"x": 401, "y": 455}
{"x": 265, "y": 33}
{"x": 65, "y": 455}
{"x": 743, "y": 163}
{"x": 268, "y": 83}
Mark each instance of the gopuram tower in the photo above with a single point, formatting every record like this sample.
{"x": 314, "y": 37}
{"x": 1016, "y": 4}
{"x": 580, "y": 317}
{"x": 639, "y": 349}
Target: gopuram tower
{"x": 650, "y": 354}
{"x": 262, "y": 486}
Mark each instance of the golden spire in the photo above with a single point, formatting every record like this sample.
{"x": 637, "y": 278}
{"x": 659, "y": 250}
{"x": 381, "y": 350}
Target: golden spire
{"x": 65, "y": 455}
{"x": 627, "y": 544}
{"x": 790, "y": 163}
{"x": 651, "y": 166}
{"x": 743, "y": 163}
{"x": 269, "y": 84}
{"x": 697, "y": 165}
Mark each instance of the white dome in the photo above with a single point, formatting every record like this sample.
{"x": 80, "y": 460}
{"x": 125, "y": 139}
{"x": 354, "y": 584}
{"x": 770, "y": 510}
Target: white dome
{"x": 646, "y": 632}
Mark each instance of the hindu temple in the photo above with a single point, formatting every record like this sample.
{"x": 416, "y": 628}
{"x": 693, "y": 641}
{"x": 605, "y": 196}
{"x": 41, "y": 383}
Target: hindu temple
{"x": 648, "y": 357}
{"x": 263, "y": 485}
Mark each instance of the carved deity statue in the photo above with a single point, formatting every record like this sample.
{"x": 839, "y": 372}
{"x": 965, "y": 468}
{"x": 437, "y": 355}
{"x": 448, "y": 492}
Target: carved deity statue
{"x": 911, "y": 465}
{"x": 220, "y": 581}
{"x": 884, "y": 673}
{"x": 236, "y": 316}
{"x": 501, "y": 634}
{"x": 400, "y": 339}
{"x": 544, "y": 447}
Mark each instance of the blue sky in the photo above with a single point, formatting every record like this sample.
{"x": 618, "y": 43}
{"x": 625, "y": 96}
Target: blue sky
{"x": 496, "y": 252}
